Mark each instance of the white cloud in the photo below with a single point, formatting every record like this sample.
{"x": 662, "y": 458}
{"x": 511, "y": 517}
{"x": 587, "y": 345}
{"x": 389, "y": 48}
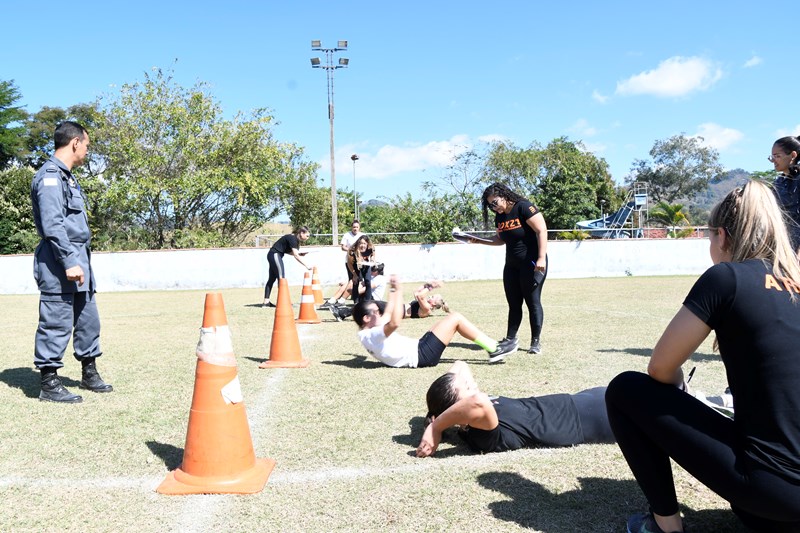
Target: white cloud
{"x": 674, "y": 77}
{"x": 752, "y": 62}
{"x": 718, "y": 137}
{"x": 582, "y": 128}
{"x": 599, "y": 98}
{"x": 784, "y": 133}
{"x": 390, "y": 160}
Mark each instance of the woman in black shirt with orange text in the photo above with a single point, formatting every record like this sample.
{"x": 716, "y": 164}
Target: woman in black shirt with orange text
{"x": 749, "y": 300}
{"x": 522, "y": 229}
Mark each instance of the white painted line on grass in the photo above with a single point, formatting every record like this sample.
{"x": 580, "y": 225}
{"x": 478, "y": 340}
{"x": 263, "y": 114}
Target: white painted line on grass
{"x": 148, "y": 484}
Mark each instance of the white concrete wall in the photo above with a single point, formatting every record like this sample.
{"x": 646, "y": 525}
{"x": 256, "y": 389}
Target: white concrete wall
{"x": 247, "y": 267}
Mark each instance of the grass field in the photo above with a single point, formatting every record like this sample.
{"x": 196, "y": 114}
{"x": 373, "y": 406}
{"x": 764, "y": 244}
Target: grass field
{"x": 342, "y": 431}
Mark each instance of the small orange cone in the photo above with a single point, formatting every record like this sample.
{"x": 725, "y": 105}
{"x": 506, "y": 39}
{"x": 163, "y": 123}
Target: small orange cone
{"x": 284, "y": 348}
{"x": 218, "y": 456}
{"x": 308, "y": 314}
{"x": 316, "y": 288}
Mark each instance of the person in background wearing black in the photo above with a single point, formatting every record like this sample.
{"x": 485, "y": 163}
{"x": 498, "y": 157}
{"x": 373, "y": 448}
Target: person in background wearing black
{"x": 288, "y": 244}
{"x": 360, "y": 260}
{"x": 522, "y": 229}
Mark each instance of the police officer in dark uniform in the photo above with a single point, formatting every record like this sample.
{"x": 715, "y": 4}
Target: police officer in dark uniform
{"x": 63, "y": 271}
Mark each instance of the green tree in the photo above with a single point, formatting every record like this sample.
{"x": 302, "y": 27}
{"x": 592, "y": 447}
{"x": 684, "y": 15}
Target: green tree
{"x": 17, "y": 230}
{"x": 431, "y": 219}
{"x": 679, "y": 168}
{"x": 11, "y": 128}
{"x": 458, "y": 191}
{"x": 182, "y": 175}
{"x": 39, "y": 128}
{"x": 671, "y": 216}
{"x": 567, "y": 182}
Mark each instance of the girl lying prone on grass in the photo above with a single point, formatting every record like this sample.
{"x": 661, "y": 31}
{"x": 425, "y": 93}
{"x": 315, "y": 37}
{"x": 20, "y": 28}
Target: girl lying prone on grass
{"x": 496, "y": 423}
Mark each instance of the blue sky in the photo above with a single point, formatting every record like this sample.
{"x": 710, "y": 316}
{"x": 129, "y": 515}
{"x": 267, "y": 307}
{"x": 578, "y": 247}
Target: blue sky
{"x": 429, "y": 79}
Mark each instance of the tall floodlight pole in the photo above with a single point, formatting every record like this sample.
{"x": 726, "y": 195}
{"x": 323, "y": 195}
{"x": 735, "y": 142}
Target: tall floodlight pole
{"x": 330, "y": 68}
{"x": 354, "y": 158}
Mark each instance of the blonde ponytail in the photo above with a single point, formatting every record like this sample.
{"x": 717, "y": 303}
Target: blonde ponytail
{"x": 757, "y": 229}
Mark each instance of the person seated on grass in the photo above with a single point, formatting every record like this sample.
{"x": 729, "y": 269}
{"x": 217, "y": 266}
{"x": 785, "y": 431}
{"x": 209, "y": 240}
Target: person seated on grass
{"x": 497, "y": 424}
{"x": 749, "y": 299}
{"x": 361, "y": 259}
{"x": 378, "y": 334}
{"x": 343, "y": 293}
{"x": 424, "y": 303}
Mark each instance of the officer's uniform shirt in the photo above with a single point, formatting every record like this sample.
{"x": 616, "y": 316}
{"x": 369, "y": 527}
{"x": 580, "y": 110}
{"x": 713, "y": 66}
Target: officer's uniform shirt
{"x": 60, "y": 217}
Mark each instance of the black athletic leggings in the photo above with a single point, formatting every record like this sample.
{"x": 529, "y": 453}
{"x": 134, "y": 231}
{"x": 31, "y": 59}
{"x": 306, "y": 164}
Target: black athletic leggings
{"x": 653, "y": 422}
{"x": 275, "y": 261}
{"x": 520, "y": 285}
{"x": 364, "y": 273}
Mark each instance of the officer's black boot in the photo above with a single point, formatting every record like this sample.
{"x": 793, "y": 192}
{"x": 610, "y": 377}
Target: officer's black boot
{"x": 90, "y": 379}
{"x": 53, "y": 390}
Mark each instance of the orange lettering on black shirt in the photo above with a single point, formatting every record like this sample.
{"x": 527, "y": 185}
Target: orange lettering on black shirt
{"x": 771, "y": 283}
{"x": 509, "y": 225}
{"x": 790, "y": 285}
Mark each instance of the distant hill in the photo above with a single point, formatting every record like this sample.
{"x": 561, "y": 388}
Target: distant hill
{"x": 718, "y": 188}
{"x": 699, "y": 207}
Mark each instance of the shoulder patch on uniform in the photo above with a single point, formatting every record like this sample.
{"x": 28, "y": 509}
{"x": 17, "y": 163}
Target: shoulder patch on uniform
{"x": 48, "y": 181}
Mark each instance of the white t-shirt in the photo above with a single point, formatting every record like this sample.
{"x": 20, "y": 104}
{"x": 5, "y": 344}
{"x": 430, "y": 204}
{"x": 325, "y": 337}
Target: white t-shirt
{"x": 378, "y": 287}
{"x": 348, "y": 239}
{"x": 395, "y": 350}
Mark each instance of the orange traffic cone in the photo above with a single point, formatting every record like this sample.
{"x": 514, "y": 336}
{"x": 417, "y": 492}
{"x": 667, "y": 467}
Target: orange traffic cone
{"x": 316, "y": 288}
{"x": 219, "y": 456}
{"x": 308, "y": 314}
{"x": 284, "y": 348}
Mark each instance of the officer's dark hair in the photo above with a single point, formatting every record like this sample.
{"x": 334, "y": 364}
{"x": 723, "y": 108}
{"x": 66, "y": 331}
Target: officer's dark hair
{"x": 66, "y": 131}
{"x": 302, "y": 229}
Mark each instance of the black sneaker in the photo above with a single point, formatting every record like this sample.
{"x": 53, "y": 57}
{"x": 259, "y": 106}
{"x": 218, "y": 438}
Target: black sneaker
{"x": 54, "y": 391}
{"x": 500, "y": 353}
{"x": 536, "y": 346}
{"x": 335, "y": 312}
{"x": 269, "y": 304}
{"x": 644, "y": 523}
{"x": 510, "y": 341}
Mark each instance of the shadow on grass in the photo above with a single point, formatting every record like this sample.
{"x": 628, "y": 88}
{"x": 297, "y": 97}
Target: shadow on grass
{"x": 258, "y": 360}
{"x": 358, "y": 361}
{"x": 598, "y": 505}
{"x": 28, "y": 380}
{"x": 416, "y": 427}
{"x": 171, "y": 455}
{"x": 646, "y": 352}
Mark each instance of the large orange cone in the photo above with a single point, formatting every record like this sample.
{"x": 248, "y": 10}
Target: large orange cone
{"x": 316, "y": 288}
{"x": 308, "y": 314}
{"x": 219, "y": 456}
{"x": 284, "y": 348}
